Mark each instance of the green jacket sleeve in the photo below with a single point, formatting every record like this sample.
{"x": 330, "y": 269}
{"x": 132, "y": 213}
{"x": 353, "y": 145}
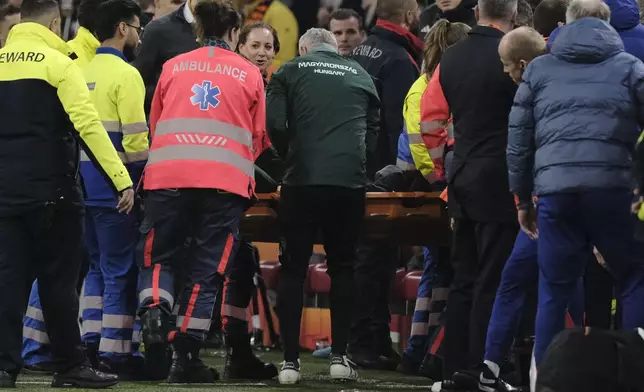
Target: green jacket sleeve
{"x": 276, "y": 112}
{"x": 74, "y": 96}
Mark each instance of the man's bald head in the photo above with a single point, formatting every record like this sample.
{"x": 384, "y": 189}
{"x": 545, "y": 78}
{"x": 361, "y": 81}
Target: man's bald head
{"x": 395, "y": 10}
{"x": 522, "y": 43}
{"x": 518, "y": 48}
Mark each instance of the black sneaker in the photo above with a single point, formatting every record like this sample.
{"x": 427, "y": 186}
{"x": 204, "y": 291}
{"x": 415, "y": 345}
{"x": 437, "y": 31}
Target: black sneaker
{"x": 91, "y": 351}
{"x": 366, "y": 359}
{"x": 157, "y": 350}
{"x": 389, "y": 358}
{"x": 408, "y": 366}
{"x": 132, "y": 369}
{"x": 187, "y": 367}
{"x": 247, "y": 366}
{"x": 42, "y": 369}
{"x": 466, "y": 380}
{"x": 489, "y": 383}
{"x": 84, "y": 377}
{"x": 7, "y": 380}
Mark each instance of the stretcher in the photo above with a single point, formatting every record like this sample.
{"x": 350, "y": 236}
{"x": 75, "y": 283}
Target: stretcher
{"x": 406, "y": 218}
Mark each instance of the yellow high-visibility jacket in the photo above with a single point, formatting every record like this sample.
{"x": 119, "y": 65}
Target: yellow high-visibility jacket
{"x": 283, "y": 21}
{"x": 84, "y": 45}
{"x": 118, "y": 93}
{"x": 411, "y": 113}
{"x": 45, "y": 105}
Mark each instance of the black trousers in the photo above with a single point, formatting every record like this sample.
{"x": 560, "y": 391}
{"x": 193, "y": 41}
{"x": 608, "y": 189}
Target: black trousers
{"x": 45, "y": 243}
{"x": 374, "y": 270}
{"x": 598, "y": 290}
{"x": 303, "y": 211}
{"x": 479, "y": 253}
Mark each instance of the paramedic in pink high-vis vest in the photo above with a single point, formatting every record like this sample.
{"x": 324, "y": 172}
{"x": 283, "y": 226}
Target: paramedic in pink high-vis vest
{"x": 208, "y": 125}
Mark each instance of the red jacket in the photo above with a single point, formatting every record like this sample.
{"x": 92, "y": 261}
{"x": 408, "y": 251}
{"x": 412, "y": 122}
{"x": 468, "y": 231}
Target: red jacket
{"x": 436, "y": 126}
{"x": 207, "y": 123}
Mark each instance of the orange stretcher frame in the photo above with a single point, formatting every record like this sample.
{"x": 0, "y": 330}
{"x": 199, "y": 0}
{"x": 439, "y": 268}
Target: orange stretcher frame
{"x": 407, "y": 218}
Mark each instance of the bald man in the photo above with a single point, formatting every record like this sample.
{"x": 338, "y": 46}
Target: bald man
{"x": 518, "y": 48}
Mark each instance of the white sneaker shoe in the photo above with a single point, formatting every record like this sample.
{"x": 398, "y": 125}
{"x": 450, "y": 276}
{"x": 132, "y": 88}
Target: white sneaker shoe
{"x": 290, "y": 373}
{"x": 437, "y": 386}
{"x": 342, "y": 369}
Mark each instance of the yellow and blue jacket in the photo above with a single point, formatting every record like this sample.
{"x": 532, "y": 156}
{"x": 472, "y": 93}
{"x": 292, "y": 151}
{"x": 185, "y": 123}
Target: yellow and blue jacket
{"x": 118, "y": 93}
{"x": 412, "y": 152}
{"x": 46, "y": 112}
{"x": 84, "y": 45}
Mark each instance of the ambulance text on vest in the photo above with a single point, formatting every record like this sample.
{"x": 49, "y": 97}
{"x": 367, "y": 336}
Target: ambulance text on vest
{"x": 17, "y": 57}
{"x": 205, "y": 66}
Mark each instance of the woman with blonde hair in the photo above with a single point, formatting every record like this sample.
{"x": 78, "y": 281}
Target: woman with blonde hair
{"x": 414, "y": 155}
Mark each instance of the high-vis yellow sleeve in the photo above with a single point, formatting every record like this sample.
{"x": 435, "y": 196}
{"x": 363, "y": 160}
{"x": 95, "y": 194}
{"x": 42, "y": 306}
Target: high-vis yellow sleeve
{"x": 74, "y": 96}
{"x": 411, "y": 113}
{"x": 283, "y": 21}
{"x": 129, "y": 104}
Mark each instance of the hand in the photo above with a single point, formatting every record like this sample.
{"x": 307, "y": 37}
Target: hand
{"x": 126, "y": 201}
{"x": 635, "y": 207}
{"x": 599, "y": 257}
{"x": 528, "y": 222}
{"x": 451, "y": 223}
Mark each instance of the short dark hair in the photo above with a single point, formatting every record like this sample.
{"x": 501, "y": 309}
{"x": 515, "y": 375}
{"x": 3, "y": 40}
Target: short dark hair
{"x": 392, "y": 10}
{"x": 31, "y": 9}
{"x": 214, "y": 18}
{"x": 525, "y": 16}
{"x": 548, "y": 14}
{"x": 346, "y": 14}
{"x": 245, "y": 31}
{"x": 87, "y": 13}
{"x": 8, "y": 10}
{"x": 112, "y": 13}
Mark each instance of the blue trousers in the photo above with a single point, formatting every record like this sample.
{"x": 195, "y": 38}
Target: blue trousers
{"x": 568, "y": 223}
{"x": 208, "y": 217}
{"x": 114, "y": 231}
{"x": 520, "y": 275}
{"x": 108, "y": 302}
{"x": 417, "y": 342}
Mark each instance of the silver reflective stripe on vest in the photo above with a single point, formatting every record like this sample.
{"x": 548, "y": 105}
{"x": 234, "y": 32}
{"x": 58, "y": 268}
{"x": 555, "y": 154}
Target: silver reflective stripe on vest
{"x": 450, "y": 130}
{"x": 192, "y": 126}
{"x": 429, "y": 126}
{"x": 194, "y": 323}
{"x": 202, "y": 153}
{"x": 131, "y": 129}
{"x": 405, "y": 165}
{"x": 136, "y": 156}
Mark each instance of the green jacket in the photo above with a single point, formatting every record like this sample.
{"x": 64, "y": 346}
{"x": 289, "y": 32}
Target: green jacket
{"x": 322, "y": 117}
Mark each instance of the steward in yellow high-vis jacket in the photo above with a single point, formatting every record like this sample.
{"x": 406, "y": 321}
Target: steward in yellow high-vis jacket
{"x": 46, "y": 112}
{"x": 84, "y": 46}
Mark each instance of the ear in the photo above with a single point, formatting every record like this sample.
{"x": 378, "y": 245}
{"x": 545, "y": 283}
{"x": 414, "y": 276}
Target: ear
{"x": 523, "y": 64}
{"x": 476, "y": 12}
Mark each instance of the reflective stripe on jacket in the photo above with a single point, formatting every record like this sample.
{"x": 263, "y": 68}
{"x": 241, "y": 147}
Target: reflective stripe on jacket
{"x": 118, "y": 93}
{"x": 208, "y": 123}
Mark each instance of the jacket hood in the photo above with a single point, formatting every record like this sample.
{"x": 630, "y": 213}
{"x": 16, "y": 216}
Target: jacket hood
{"x": 587, "y": 40}
{"x": 35, "y": 32}
{"x": 624, "y": 14}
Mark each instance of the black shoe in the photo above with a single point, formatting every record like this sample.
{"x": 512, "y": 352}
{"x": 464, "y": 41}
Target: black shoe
{"x": 247, "y": 366}
{"x": 7, "y": 380}
{"x": 157, "y": 350}
{"x": 389, "y": 358}
{"x": 131, "y": 369}
{"x": 365, "y": 359}
{"x": 84, "y": 377}
{"x": 408, "y": 366}
{"x": 186, "y": 367}
{"x": 489, "y": 383}
{"x": 42, "y": 368}
{"x": 466, "y": 380}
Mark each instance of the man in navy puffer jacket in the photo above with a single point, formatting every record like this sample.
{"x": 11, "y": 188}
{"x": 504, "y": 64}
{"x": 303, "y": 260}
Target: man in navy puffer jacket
{"x": 572, "y": 129}
{"x": 625, "y": 18}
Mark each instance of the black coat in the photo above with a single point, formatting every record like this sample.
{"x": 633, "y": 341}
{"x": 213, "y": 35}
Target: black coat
{"x": 393, "y": 62}
{"x": 464, "y": 13}
{"x": 164, "y": 38}
{"x": 479, "y": 95}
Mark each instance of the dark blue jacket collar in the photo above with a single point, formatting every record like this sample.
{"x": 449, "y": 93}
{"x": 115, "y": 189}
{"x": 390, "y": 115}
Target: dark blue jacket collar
{"x": 115, "y": 52}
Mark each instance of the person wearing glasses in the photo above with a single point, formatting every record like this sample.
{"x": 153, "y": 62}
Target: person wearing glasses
{"x": 118, "y": 93}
